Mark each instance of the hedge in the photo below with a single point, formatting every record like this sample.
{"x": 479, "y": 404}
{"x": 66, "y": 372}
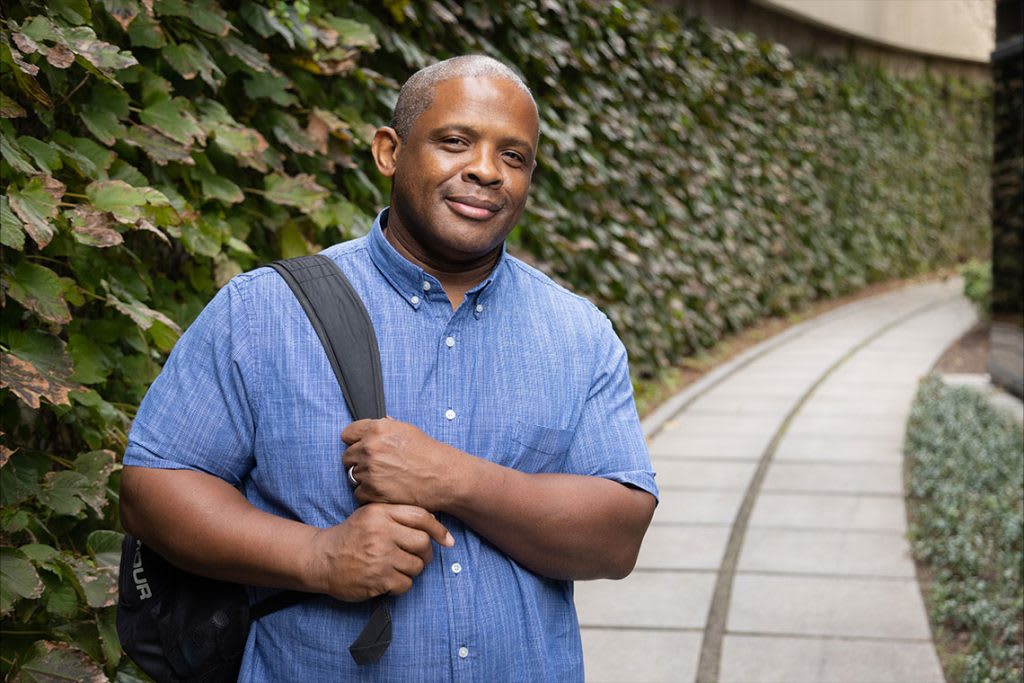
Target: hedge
{"x": 691, "y": 181}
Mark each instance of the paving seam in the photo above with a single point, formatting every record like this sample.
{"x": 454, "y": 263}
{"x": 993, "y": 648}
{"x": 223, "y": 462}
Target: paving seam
{"x": 680, "y": 402}
{"x": 826, "y": 575}
{"x": 710, "y": 660}
{"x": 857, "y": 639}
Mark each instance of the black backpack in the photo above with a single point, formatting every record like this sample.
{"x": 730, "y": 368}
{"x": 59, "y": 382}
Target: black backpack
{"x": 179, "y": 627}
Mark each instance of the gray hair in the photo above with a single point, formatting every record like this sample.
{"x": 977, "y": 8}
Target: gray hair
{"x": 417, "y": 94}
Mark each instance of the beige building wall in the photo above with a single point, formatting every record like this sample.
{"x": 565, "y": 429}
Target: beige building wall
{"x": 954, "y": 29}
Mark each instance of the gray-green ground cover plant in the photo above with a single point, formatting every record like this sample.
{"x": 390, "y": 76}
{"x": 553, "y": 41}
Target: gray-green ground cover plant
{"x": 966, "y": 488}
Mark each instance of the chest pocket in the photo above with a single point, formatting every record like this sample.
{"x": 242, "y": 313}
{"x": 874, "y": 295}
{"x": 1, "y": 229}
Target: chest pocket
{"x": 539, "y": 449}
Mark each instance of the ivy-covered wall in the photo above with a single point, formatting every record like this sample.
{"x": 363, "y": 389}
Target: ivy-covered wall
{"x": 691, "y": 181}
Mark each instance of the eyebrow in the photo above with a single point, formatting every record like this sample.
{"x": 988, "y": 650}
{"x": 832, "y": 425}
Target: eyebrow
{"x": 470, "y": 130}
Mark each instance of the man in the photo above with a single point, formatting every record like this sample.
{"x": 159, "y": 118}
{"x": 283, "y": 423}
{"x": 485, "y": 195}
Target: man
{"x": 512, "y": 461}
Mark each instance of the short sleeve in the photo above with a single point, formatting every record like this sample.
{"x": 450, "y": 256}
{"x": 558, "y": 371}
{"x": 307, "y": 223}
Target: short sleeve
{"x": 198, "y": 414}
{"x": 608, "y": 440}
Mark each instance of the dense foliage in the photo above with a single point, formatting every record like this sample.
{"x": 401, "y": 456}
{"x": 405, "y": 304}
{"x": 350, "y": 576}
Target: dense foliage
{"x": 966, "y": 485}
{"x": 691, "y": 181}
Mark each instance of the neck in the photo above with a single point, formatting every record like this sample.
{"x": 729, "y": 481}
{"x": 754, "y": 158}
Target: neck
{"x": 456, "y": 279}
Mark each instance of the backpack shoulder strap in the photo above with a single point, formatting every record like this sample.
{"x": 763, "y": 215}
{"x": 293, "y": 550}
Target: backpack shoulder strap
{"x": 344, "y": 328}
{"x": 346, "y": 332}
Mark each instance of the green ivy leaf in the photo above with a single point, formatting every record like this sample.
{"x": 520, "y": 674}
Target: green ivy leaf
{"x": 92, "y": 365}
{"x": 143, "y": 316}
{"x": 98, "y": 583}
{"x": 102, "y": 123}
{"x": 270, "y": 86}
{"x": 75, "y": 11}
{"x": 20, "y": 477}
{"x": 217, "y": 186}
{"x": 36, "y": 204}
{"x": 15, "y": 156}
{"x": 12, "y": 234}
{"x": 105, "y": 547}
{"x": 191, "y": 60}
{"x": 158, "y": 147}
{"x": 43, "y": 153}
{"x": 106, "y": 623}
{"x": 211, "y": 18}
{"x": 247, "y": 54}
{"x": 174, "y": 119}
{"x": 301, "y": 191}
{"x": 292, "y": 242}
{"x": 203, "y": 236}
{"x": 106, "y": 58}
{"x": 42, "y": 555}
{"x": 64, "y": 492}
{"x": 19, "y": 579}
{"x": 48, "y": 661}
{"x": 40, "y": 290}
{"x": 60, "y": 596}
{"x": 9, "y": 109}
{"x": 163, "y": 336}
{"x": 352, "y": 33}
{"x": 146, "y": 31}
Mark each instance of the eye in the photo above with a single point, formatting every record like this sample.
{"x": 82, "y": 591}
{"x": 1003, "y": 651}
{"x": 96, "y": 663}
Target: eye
{"x": 515, "y": 158}
{"x": 454, "y": 142}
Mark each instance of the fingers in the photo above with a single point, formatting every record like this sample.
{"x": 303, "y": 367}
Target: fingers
{"x": 356, "y": 431}
{"x": 418, "y": 518}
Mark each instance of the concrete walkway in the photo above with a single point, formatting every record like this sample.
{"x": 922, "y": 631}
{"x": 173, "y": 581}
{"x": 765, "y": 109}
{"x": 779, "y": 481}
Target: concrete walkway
{"x": 778, "y": 552}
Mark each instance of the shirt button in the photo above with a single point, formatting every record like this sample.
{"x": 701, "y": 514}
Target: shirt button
{"x": 415, "y": 300}
{"x": 449, "y": 342}
{"x": 450, "y": 414}
{"x": 426, "y": 286}
{"x": 463, "y": 652}
{"x": 456, "y": 568}
{"x": 479, "y": 308}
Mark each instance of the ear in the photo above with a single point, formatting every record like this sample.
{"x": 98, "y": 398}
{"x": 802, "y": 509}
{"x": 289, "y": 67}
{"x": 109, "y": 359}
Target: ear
{"x": 385, "y": 147}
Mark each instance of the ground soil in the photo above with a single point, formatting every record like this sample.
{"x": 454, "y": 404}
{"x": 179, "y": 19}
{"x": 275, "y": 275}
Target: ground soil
{"x": 968, "y": 354}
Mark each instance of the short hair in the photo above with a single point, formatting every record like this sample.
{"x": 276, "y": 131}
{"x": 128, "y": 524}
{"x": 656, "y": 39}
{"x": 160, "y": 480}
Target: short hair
{"x": 417, "y": 93}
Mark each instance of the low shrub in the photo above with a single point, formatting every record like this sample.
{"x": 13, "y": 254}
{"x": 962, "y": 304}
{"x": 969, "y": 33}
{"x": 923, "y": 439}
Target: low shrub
{"x": 966, "y": 488}
{"x": 978, "y": 285}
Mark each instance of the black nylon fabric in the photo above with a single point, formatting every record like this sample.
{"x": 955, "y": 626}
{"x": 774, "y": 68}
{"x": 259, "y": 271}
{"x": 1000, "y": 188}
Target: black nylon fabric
{"x": 346, "y": 331}
{"x": 179, "y": 627}
{"x": 343, "y": 325}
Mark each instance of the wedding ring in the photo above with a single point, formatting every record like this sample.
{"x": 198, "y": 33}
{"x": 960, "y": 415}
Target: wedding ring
{"x": 351, "y": 477}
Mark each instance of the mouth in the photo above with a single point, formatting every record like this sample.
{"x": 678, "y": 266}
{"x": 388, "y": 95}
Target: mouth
{"x": 472, "y": 207}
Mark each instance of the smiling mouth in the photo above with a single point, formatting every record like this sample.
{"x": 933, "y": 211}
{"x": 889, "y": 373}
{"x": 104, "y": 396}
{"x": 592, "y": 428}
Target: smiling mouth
{"x": 472, "y": 208}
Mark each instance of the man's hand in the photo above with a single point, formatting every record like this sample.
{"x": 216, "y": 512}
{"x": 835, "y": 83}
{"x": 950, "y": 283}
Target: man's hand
{"x": 379, "y": 549}
{"x": 394, "y": 462}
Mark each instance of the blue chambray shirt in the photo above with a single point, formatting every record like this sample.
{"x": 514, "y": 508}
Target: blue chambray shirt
{"x": 524, "y": 373}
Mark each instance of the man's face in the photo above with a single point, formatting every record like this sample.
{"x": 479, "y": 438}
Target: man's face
{"x": 461, "y": 177}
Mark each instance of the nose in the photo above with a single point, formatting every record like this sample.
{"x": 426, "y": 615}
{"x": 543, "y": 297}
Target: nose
{"x": 482, "y": 169}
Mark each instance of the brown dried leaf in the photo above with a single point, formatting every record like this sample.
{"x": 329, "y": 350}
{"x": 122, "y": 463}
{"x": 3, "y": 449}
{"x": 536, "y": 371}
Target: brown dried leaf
{"x": 60, "y": 56}
{"x": 24, "y": 44}
{"x": 30, "y": 383}
{"x": 124, "y": 14}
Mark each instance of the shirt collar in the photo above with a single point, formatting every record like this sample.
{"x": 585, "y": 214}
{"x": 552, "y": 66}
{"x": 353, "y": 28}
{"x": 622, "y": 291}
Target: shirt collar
{"x": 412, "y": 282}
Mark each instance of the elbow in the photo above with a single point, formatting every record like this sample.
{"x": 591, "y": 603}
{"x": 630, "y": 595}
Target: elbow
{"x": 623, "y": 560}
{"x": 623, "y": 564}
{"x": 128, "y": 503}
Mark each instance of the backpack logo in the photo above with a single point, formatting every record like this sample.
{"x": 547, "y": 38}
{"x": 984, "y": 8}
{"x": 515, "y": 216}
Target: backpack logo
{"x": 139, "y": 575}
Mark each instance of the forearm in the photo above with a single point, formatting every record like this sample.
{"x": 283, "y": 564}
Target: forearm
{"x": 561, "y": 526}
{"x": 203, "y": 524}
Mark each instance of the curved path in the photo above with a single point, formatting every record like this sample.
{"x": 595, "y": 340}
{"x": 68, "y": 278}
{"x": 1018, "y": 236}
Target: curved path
{"x": 779, "y": 552}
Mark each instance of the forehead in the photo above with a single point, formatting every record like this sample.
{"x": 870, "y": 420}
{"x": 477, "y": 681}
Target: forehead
{"x": 484, "y": 104}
